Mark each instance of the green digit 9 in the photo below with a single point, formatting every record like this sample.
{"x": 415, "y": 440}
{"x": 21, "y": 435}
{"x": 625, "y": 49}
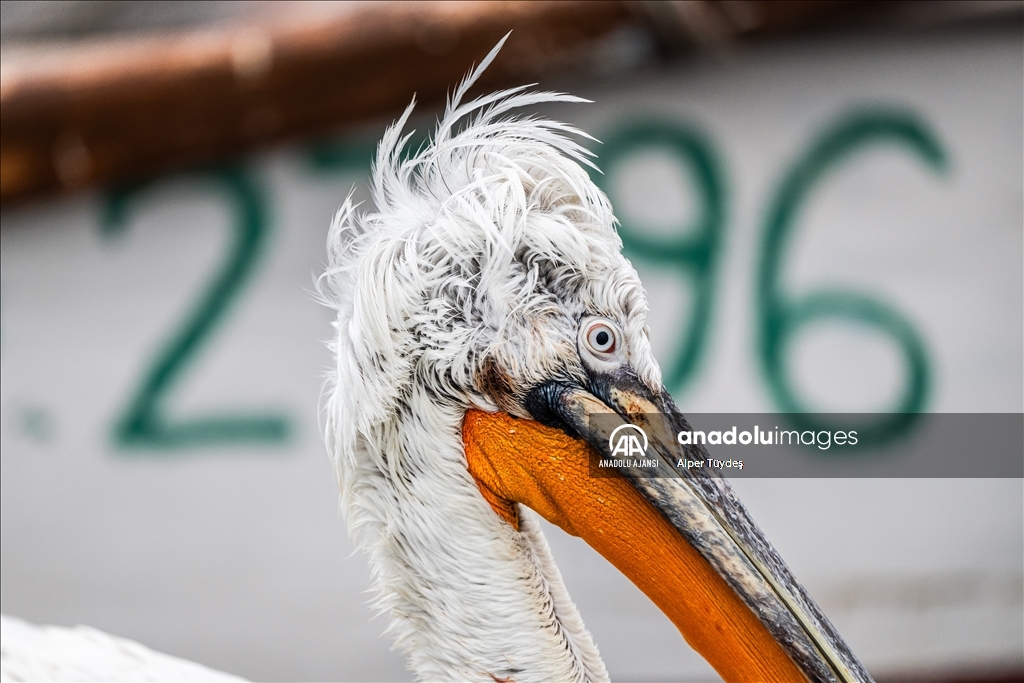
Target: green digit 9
{"x": 695, "y": 249}
{"x": 780, "y": 316}
{"x": 143, "y": 422}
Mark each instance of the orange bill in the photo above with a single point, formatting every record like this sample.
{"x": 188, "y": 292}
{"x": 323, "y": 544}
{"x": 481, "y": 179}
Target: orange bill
{"x": 522, "y": 461}
{"x": 682, "y": 537}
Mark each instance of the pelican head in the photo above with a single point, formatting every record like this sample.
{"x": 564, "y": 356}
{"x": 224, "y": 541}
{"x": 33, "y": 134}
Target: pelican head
{"x": 484, "y": 310}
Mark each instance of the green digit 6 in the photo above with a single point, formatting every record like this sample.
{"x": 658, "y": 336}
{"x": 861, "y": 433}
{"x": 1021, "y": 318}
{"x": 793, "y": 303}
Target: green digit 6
{"x": 694, "y": 250}
{"x": 780, "y": 317}
{"x": 143, "y": 423}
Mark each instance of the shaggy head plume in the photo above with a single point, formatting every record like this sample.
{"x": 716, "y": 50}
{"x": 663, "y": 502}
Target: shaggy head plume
{"x": 483, "y": 243}
{"x": 464, "y": 288}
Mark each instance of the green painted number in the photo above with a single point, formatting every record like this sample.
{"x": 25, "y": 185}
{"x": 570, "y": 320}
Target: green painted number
{"x": 780, "y": 316}
{"x": 341, "y": 155}
{"x": 694, "y": 251}
{"x": 354, "y": 154}
{"x": 143, "y": 423}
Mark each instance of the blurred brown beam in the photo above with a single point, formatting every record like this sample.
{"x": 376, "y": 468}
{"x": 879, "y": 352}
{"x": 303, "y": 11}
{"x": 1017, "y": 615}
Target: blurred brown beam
{"x": 134, "y": 106}
{"x": 102, "y": 111}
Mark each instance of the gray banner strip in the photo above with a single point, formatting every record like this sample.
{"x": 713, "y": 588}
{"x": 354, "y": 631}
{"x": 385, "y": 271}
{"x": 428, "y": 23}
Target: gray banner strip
{"x": 937, "y": 445}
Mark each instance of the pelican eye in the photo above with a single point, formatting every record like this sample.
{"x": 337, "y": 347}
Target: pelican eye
{"x": 602, "y": 338}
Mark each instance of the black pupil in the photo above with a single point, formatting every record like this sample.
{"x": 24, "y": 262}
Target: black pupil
{"x": 601, "y": 338}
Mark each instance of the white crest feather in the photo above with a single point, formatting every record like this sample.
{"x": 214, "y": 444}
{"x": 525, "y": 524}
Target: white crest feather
{"x": 485, "y": 248}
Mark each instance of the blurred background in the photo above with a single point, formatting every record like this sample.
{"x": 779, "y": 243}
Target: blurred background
{"x": 169, "y": 170}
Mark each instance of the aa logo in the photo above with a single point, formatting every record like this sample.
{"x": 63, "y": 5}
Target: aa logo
{"x": 628, "y": 441}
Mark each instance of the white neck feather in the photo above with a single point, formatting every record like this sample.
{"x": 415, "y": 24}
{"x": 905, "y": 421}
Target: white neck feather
{"x": 469, "y": 597}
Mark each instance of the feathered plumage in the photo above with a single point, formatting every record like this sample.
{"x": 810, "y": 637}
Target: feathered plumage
{"x": 54, "y": 653}
{"x": 461, "y": 289}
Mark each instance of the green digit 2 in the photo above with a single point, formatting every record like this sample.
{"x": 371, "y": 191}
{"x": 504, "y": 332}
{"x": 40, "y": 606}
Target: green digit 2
{"x": 143, "y": 422}
{"x": 695, "y": 250}
{"x": 779, "y": 316}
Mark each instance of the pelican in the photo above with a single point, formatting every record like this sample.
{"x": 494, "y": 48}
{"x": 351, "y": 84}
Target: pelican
{"x": 484, "y": 313}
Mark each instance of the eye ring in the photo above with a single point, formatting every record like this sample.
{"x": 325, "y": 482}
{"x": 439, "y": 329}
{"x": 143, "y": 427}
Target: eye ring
{"x": 601, "y": 338}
